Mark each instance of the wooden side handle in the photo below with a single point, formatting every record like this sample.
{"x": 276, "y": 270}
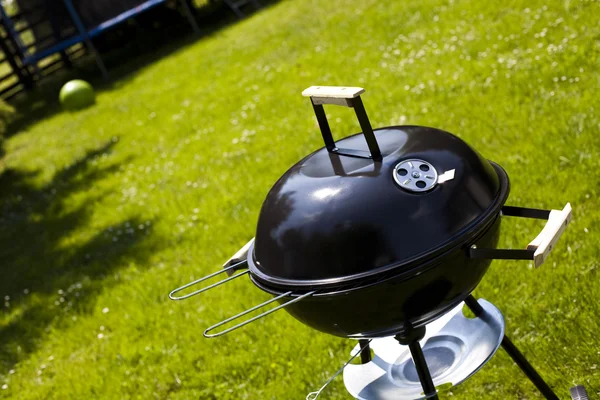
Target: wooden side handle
{"x": 545, "y": 241}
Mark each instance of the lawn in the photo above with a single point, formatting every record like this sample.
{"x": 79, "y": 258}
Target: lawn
{"x": 104, "y": 211}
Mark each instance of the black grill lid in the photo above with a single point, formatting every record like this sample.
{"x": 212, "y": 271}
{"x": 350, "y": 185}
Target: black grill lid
{"x": 346, "y": 210}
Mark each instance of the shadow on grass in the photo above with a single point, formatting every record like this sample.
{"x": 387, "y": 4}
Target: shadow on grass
{"x": 140, "y": 43}
{"x": 48, "y": 271}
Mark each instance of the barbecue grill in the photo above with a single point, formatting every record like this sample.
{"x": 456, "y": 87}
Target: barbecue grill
{"x": 383, "y": 236}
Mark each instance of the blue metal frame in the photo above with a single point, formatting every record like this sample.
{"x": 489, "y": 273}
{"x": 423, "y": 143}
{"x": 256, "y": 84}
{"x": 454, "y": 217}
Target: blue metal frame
{"x": 85, "y": 35}
{"x": 13, "y": 32}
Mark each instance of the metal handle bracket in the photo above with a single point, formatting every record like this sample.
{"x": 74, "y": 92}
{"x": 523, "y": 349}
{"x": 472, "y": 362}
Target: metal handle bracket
{"x": 349, "y": 97}
{"x": 540, "y": 247}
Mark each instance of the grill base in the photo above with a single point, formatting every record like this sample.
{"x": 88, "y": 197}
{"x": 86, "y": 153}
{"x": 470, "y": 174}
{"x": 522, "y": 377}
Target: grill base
{"x": 454, "y": 348}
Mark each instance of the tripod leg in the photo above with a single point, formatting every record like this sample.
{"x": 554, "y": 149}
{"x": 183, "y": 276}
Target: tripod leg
{"x": 517, "y": 356}
{"x": 422, "y": 370}
{"x": 365, "y": 352}
{"x": 531, "y": 373}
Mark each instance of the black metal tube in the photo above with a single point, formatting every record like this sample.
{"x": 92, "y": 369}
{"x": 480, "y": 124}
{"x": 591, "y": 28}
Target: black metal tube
{"x": 422, "y": 370}
{"x": 365, "y": 353}
{"x": 324, "y": 126}
{"x": 516, "y": 355}
{"x": 501, "y": 254}
{"x": 473, "y": 305}
{"x": 523, "y": 212}
{"x": 365, "y": 125}
{"x": 531, "y": 373}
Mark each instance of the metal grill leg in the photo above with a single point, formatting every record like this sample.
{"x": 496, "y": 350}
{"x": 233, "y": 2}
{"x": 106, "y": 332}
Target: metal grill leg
{"x": 517, "y": 356}
{"x": 365, "y": 353}
{"x": 422, "y": 370}
{"x": 412, "y": 338}
{"x": 531, "y": 373}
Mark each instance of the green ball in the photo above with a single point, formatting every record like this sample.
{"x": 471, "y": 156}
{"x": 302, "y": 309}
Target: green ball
{"x": 77, "y": 94}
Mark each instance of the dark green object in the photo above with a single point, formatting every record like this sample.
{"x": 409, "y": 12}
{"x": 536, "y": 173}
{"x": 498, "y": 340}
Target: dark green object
{"x": 76, "y": 95}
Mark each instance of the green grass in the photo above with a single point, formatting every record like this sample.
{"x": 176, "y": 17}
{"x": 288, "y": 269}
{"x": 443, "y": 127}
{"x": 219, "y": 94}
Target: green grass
{"x": 104, "y": 211}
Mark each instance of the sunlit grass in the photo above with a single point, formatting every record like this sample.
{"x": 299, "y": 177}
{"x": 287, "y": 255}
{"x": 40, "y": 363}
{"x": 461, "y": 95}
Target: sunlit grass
{"x": 104, "y": 211}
